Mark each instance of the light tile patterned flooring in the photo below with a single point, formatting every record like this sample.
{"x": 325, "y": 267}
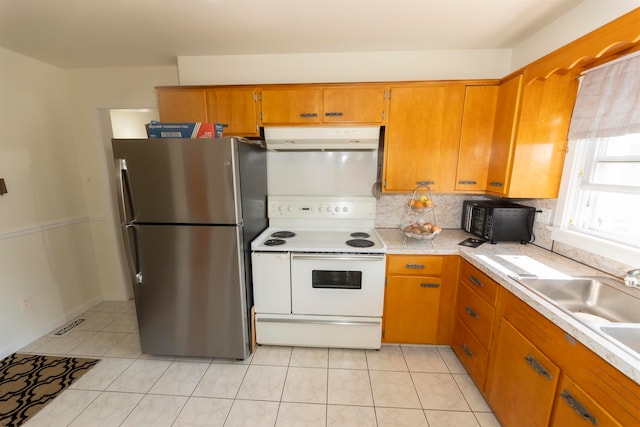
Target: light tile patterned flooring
{"x": 276, "y": 386}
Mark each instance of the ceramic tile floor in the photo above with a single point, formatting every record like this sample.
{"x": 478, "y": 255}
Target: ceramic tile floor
{"x": 276, "y": 386}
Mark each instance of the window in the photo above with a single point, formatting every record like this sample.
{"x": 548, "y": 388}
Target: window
{"x": 606, "y": 192}
{"x": 599, "y": 202}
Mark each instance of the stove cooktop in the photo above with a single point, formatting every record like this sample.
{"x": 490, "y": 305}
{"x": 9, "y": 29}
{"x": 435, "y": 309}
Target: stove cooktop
{"x": 319, "y": 240}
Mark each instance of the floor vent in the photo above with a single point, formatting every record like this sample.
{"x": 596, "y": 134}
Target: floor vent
{"x": 60, "y": 332}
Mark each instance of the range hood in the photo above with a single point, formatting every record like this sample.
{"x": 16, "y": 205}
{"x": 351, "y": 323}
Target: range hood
{"x": 322, "y": 138}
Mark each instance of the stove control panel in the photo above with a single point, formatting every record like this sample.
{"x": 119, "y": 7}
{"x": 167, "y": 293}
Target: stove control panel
{"x": 322, "y": 207}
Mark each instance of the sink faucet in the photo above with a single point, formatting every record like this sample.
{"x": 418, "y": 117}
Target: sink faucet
{"x": 632, "y": 278}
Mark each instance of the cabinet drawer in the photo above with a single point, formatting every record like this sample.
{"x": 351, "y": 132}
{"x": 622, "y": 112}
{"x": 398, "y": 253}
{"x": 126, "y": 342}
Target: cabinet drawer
{"x": 486, "y": 287}
{"x": 471, "y": 354}
{"x": 476, "y": 314}
{"x": 576, "y": 408}
{"x": 414, "y": 265}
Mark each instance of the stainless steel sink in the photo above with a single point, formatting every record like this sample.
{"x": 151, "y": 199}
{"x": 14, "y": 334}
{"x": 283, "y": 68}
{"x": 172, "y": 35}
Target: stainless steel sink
{"x": 591, "y": 299}
{"x": 628, "y": 335}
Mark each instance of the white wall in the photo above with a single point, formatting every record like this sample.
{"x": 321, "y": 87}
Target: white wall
{"x": 584, "y": 18}
{"x": 93, "y": 92}
{"x": 401, "y": 66}
{"x": 47, "y": 259}
{"x": 345, "y": 67}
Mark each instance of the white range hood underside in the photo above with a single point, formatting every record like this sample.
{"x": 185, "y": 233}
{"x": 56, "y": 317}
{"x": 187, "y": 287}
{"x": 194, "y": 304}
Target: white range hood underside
{"x": 322, "y": 138}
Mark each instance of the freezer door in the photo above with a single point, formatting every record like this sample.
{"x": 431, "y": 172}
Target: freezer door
{"x": 190, "y": 299}
{"x": 188, "y": 181}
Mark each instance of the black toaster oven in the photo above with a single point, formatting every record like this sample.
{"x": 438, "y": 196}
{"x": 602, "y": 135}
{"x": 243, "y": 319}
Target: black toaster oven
{"x": 498, "y": 220}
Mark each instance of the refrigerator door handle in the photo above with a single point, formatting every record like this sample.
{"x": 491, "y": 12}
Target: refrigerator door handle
{"x": 132, "y": 254}
{"x": 124, "y": 195}
{"x": 124, "y": 192}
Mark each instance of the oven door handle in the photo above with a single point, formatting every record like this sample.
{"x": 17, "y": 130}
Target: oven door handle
{"x": 321, "y": 322}
{"x": 339, "y": 257}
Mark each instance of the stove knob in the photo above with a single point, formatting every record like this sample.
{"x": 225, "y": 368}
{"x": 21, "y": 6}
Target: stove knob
{"x": 337, "y": 209}
{"x": 321, "y": 209}
{"x": 290, "y": 208}
{"x": 281, "y": 208}
{"x": 345, "y": 209}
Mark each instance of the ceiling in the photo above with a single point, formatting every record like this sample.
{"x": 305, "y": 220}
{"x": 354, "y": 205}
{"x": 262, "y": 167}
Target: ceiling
{"x": 117, "y": 33}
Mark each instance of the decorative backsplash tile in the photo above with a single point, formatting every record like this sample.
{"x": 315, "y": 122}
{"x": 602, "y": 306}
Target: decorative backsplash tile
{"x": 392, "y": 210}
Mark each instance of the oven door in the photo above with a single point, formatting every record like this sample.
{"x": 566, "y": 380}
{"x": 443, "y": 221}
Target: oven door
{"x": 337, "y": 284}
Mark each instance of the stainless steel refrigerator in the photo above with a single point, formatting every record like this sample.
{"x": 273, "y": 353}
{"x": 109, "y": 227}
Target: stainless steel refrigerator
{"x": 189, "y": 210}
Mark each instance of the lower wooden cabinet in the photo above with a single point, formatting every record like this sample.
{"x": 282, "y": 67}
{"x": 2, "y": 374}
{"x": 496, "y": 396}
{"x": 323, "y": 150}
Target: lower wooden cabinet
{"x": 523, "y": 384}
{"x": 575, "y": 408}
{"x": 411, "y": 309}
{"x": 590, "y": 381}
{"x": 419, "y": 296}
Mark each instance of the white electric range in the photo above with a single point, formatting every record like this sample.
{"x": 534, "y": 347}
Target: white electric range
{"x": 318, "y": 273}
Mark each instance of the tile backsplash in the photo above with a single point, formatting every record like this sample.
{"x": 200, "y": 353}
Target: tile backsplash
{"x": 392, "y": 210}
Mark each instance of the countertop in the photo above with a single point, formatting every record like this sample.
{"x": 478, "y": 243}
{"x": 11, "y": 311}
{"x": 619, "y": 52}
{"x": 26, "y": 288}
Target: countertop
{"x": 481, "y": 257}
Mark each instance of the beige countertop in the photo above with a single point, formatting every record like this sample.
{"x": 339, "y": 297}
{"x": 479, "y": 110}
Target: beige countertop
{"x": 485, "y": 257}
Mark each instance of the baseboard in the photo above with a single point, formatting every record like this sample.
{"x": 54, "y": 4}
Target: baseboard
{"x": 49, "y": 326}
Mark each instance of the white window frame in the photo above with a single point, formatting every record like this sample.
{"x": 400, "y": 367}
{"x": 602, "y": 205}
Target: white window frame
{"x": 575, "y": 163}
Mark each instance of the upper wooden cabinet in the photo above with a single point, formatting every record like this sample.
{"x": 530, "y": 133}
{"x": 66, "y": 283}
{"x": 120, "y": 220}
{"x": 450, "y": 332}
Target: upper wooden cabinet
{"x": 422, "y": 135}
{"x": 179, "y": 105}
{"x": 357, "y": 104}
{"x": 295, "y": 105}
{"x": 234, "y": 107}
{"x": 291, "y": 105}
{"x": 530, "y": 136}
{"x": 475, "y": 138}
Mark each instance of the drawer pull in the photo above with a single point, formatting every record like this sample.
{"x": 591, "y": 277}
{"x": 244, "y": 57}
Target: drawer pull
{"x": 537, "y": 366}
{"x": 466, "y": 350}
{"x": 333, "y": 114}
{"x": 425, "y": 182}
{"x": 415, "y": 266}
{"x": 430, "y": 285}
{"x": 471, "y": 313}
{"x": 577, "y": 406}
{"x": 496, "y": 184}
{"x": 476, "y": 282}
{"x": 467, "y": 182}
{"x": 305, "y": 115}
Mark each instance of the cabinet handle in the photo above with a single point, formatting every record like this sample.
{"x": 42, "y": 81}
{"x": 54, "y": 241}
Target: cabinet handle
{"x": 224, "y": 125}
{"x": 466, "y": 350}
{"x": 577, "y": 406}
{"x": 415, "y": 266}
{"x": 476, "y": 282}
{"x": 467, "y": 182}
{"x": 430, "y": 285}
{"x": 305, "y": 115}
{"x": 425, "y": 182}
{"x": 471, "y": 313}
{"x": 496, "y": 184}
{"x": 537, "y": 366}
{"x": 334, "y": 114}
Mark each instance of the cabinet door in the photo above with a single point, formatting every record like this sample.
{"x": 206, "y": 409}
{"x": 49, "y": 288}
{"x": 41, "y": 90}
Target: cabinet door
{"x": 235, "y": 109}
{"x": 182, "y": 105}
{"x": 523, "y": 383}
{"x": 291, "y": 105}
{"x": 411, "y": 309}
{"x": 507, "y": 109}
{"x": 354, "y": 105}
{"x": 575, "y": 408}
{"x": 424, "y": 128}
{"x": 543, "y": 126}
{"x": 475, "y": 138}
